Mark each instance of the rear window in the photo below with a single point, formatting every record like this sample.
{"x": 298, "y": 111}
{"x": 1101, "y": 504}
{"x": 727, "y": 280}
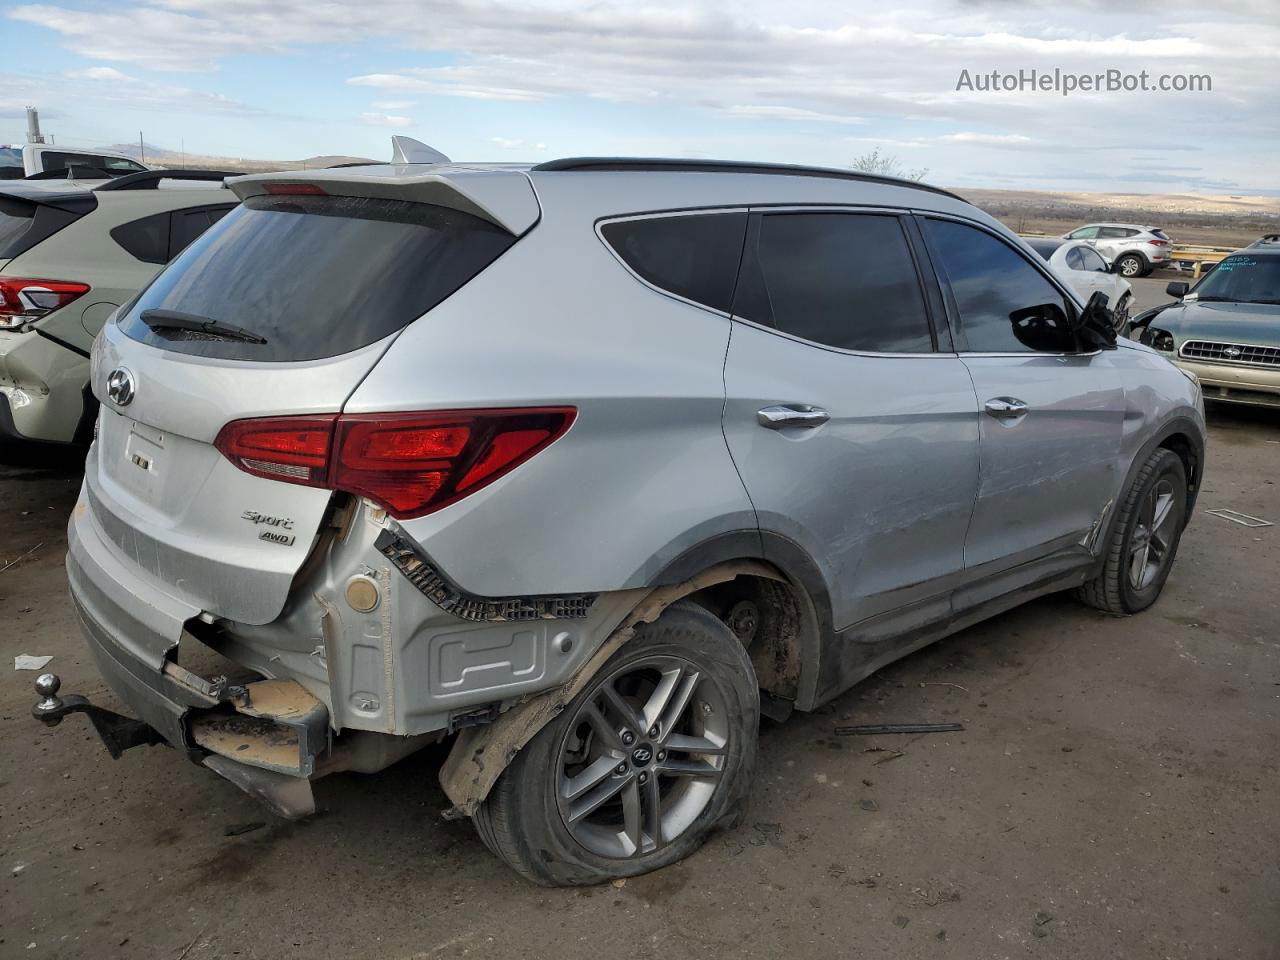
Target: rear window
{"x": 694, "y": 256}
{"x": 315, "y": 276}
{"x": 24, "y": 223}
{"x": 15, "y": 219}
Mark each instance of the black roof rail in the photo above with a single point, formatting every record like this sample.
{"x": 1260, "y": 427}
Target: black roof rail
{"x": 667, "y": 165}
{"x": 150, "y": 179}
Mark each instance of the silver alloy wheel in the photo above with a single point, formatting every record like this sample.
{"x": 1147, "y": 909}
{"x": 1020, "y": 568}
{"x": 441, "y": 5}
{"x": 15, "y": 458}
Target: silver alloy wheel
{"x": 1152, "y": 534}
{"x": 1121, "y": 313}
{"x": 642, "y": 757}
{"x": 1130, "y": 267}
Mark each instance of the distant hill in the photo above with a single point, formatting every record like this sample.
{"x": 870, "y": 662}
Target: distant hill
{"x": 157, "y": 156}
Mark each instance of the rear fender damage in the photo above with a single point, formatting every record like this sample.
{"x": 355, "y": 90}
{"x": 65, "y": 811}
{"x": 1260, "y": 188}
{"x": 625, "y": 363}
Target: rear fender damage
{"x": 481, "y": 753}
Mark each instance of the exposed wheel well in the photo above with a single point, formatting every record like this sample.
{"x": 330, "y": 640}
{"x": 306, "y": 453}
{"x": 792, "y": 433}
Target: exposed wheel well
{"x": 1181, "y": 444}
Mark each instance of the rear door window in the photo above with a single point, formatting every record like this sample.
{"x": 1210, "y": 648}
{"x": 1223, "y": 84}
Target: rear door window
{"x": 315, "y": 276}
{"x": 1005, "y": 305}
{"x": 839, "y": 279}
{"x": 694, "y": 256}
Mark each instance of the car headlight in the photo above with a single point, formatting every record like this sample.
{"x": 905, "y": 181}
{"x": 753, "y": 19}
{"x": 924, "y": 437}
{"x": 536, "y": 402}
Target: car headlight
{"x": 1161, "y": 340}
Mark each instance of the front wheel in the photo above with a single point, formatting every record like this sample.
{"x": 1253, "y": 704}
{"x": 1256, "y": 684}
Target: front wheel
{"x": 654, "y": 752}
{"x": 1120, "y": 314}
{"x": 1144, "y": 539}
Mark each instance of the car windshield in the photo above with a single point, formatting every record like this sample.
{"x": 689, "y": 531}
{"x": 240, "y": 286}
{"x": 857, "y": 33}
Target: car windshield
{"x": 1243, "y": 278}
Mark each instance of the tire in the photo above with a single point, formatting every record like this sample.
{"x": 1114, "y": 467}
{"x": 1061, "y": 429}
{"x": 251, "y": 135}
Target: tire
{"x": 1156, "y": 501}
{"x": 1132, "y": 265}
{"x": 1121, "y": 313}
{"x": 526, "y": 818}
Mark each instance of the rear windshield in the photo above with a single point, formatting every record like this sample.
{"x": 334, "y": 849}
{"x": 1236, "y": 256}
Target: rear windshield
{"x": 313, "y": 276}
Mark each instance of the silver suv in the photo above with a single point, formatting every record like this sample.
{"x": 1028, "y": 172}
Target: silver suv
{"x": 1135, "y": 250}
{"x": 584, "y": 466}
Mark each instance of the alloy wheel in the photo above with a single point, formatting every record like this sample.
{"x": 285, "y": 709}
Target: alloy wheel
{"x": 642, "y": 757}
{"x": 1152, "y": 535}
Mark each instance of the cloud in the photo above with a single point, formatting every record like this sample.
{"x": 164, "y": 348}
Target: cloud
{"x": 384, "y": 120}
{"x": 394, "y": 104}
{"x": 761, "y": 111}
{"x": 506, "y": 143}
{"x": 100, "y": 73}
{"x": 112, "y": 88}
{"x": 988, "y": 139}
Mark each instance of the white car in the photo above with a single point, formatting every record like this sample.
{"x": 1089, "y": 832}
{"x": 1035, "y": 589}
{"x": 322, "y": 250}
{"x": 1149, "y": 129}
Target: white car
{"x": 47, "y": 160}
{"x": 1087, "y": 272}
{"x": 1135, "y": 249}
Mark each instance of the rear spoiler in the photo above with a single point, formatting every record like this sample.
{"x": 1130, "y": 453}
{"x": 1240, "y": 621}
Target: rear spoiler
{"x": 419, "y": 174}
{"x": 503, "y": 196}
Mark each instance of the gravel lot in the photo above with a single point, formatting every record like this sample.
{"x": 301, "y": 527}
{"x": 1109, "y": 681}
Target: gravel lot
{"x": 1113, "y": 795}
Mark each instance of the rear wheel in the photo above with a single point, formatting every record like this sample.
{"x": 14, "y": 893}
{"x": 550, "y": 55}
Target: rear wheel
{"x": 1132, "y": 265}
{"x": 1121, "y": 313}
{"x": 1144, "y": 539}
{"x": 655, "y": 752}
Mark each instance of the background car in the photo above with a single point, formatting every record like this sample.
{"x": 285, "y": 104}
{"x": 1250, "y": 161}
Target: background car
{"x": 1225, "y": 329}
{"x": 47, "y": 160}
{"x": 1088, "y": 272}
{"x": 1135, "y": 250}
{"x": 571, "y": 462}
{"x": 69, "y": 255}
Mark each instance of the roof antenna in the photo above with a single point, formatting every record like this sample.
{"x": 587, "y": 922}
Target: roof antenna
{"x": 409, "y": 150}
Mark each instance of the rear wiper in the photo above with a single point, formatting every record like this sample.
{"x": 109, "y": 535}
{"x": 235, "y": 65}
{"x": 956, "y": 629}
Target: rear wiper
{"x": 176, "y": 320}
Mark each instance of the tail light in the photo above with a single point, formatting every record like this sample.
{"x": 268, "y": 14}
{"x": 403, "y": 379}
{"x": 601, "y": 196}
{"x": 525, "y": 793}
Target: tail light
{"x": 411, "y": 464}
{"x": 1157, "y": 242}
{"x": 23, "y": 300}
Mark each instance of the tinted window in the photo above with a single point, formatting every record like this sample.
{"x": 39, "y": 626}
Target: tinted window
{"x": 16, "y": 217}
{"x": 146, "y": 238}
{"x": 11, "y": 164}
{"x": 316, "y": 276}
{"x": 1112, "y": 233}
{"x": 845, "y": 280}
{"x": 1005, "y": 305}
{"x": 1046, "y": 248}
{"x": 693, "y": 256}
{"x": 186, "y": 225}
{"x": 1074, "y": 260}
{"x": 55, "y": 160}
{"x": 1084, "y": 233}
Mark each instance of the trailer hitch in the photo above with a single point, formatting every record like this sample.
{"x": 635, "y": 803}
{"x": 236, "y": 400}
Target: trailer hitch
{"x": 118, "y": 732}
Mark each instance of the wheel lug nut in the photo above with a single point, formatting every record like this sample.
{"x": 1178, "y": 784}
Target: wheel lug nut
{"x": 662, "y": 755}
{"x": 628, "y": 738}
{"x": 644, "y": 778}
{"x": 653, "y": 731}
{"x": 622, "y": 768}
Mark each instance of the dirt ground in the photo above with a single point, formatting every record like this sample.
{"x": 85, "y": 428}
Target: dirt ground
{"x": 1114, "y": 794}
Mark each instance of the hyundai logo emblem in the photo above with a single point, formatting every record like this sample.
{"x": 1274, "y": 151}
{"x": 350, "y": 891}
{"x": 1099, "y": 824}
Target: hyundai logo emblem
{"x": 120, "y": 386}
{"x": 642, "y": 755}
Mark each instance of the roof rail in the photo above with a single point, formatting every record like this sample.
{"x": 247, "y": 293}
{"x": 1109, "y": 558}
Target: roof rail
{"x": 150, "y": 179}
{"x": 666, "y": 165}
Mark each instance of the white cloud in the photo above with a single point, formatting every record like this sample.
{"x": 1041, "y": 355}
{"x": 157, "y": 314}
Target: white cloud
{"x": 100, "y": 73}
{"x": 760, "y": 111}
{"x": 506, "y": 143}
{"x": 384, "y": 120}
{"x": 393, "y": 104}
{"x": 988, "y": 139}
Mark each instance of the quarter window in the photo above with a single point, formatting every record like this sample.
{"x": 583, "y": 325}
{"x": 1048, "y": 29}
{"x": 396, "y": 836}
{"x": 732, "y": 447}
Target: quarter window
{"x": 1005, "y": 305}
{"x": 843, "y": 280}
{"x": 694, "y": 256}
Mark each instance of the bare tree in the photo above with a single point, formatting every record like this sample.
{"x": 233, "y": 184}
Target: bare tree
{"x": 886, "y": 165}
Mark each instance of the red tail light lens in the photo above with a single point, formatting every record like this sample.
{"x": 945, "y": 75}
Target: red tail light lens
{"x": 1159, "y": 243}
{"x": 23, "y": 299}
{"x": 409, "y": 463}
{"x": 294, "y": 449}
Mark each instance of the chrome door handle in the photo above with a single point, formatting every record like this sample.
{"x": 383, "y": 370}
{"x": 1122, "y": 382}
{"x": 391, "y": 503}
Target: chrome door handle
{"x": 1006, "y": 408}
{"x": 792, "y": 415}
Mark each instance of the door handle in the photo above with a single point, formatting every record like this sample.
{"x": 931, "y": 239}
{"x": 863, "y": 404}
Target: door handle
{"x": 792, "y": 415}
{"x": 1006, "y": 408}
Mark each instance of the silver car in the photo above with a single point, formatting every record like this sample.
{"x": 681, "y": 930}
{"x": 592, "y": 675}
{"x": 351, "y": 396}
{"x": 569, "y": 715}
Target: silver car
{"x": 581, "y": 467}
{"x": 1135, "y": 250}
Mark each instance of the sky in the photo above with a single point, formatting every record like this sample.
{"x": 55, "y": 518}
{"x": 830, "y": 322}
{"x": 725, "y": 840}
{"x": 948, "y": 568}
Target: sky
{"x": 796, "y": 81}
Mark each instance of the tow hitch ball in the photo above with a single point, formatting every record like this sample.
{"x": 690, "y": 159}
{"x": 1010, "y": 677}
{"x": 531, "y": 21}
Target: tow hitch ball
{"x": 118, "y": 733}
